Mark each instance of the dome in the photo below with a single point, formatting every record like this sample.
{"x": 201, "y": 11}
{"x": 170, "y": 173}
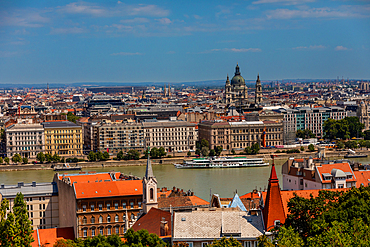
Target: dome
{"x": 337, "y": 173}
{"x": 237, "y": 80}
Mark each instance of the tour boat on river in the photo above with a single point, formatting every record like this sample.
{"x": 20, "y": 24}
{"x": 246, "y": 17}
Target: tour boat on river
{"x": 222, "y": 162}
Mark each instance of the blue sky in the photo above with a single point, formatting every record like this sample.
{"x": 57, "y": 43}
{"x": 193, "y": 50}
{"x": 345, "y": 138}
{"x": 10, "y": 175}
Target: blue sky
{"x": 179, "y": 41}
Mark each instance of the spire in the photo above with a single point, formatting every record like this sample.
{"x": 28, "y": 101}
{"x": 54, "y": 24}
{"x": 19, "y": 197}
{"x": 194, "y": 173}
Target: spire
{"x": 273, "y": 209}
{"x": 237, "y": 72}
{"x": 149, "y": 170}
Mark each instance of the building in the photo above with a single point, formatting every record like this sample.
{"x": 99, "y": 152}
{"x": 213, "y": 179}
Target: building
{"x": 63, "y": 138}
{"x": 173, "y": 136}
{"x": 201, "y": 227}
{"x": 26, "y": 139}
{"x": 99, "y": 203}
{"x": 150, "y": 198}
{"x": 115, "y": 137}
{"x": 302, "y": 118}
{"x": 236, "y": 91}
{"x": 42, "y": 202}
{"x": 309, "y": 174}
{"x": 363, "y": 114}
{"x": 45, "y": 237}
{"x": 258, "y": 93}
{"x": 241, "y": 134}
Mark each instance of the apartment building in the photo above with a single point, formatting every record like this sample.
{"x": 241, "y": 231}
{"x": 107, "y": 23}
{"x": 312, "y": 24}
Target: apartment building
{"x": 310, "y": 174}
{"x": 63, "y": 138}
{"x": 26, "y": 139}
{"x": 174, "y": 136}
{"x": 42, "y": 202}
{"x": 99, "y": 203}
{"x": 115, "y": 137}
{"x": 301, "y": 118}
{"x": 240, "y": 134}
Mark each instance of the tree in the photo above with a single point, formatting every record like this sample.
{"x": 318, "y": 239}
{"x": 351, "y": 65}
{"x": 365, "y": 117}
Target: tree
{"x": 197, "y": 152}
{"x": 212, "y": 152}
{"x": 6, "y": 159}
{"x": 233, "y": 151}
{"x": 302, "y": 148}
{"x": 71, "y": 117}
{"x": 99, "y": 155}
{"x": 154, "y": 153}
{"x": 64, "y": 243}
{"x": 92, "y": 156}
{"x": 367, "y": 134}
{"x": 105, "y": 155}
{"x": 204, "y": 143}
{"x": 226, "y": 242}
{"x": 56, "y": 158}
{"x": 305, "y": 134}
{"x": 351, "y": 144}
{"x": 355, "y": 127}
{"x": 40, "y": 157}
{"x": 142, "y": 238}
{"x": 346, "y": 128}
{"x": 48, "y": 157}
{"x": 132, "y": 155}
{"x": 218, "y": 150}
{"x": 340, "y": 145}
{"x": 255, "y": 148}
{"x": 16, "y": 158}
{"x": 311, "y": 147}
{"x": 120, "y": 155}
{"x": 25, "y": 160}
{"x": 264, "y": 241}
{"x": 189, "y": 153}
{"x": 287, "y": 237}
{"x": 205, "y": 151}
{"x": 15, "y": 226}
{"x": 1, "y": 160}
{"x": 161, "y": 152}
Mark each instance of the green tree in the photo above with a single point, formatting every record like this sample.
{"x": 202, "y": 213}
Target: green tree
{"x": 25, "y": 160}
{"x": 16, "y": 158}
{"x": 92, "y": 156}
{"x": 226, "y": 242}
{"x": 189, "y": 153}
{"x": 6, "y": 159}
{"x": 40, "y": 157}
{"x": 305, "y": 134}
{"x": 340, "y": 145}
{"x": 72, "y": 117}
{"x": 212, "y": 152}
{"x": 311, "y": 147}
{"x": 56, "y": 158}
{"x": 255, "y": 148}
{"x": 218, "y": 150}
{"x": 132, "y": 155}
{"x": 351, "y": 144}
{"x": 367, "y": 134}
{"x": 264, "y": 241}
{"x": 346, "y": 128}
{"x": 355, "y": 127}
{"x": 142, "y": 238}
{"x": 287, "y": 237}
{"x": 105, "y": 155}
{"x": 48, "y": 157}
{"x": 154, "y": 153}
{"x": 1, "y": 160}
{"x": 302, "y": 148}
{"x": 120, "y": 155}
{"x": 205, "y": 151}
{"x": 204, "y": 143}
{"x": 248, "y": 150}
{"x": 233, "y": 151}
{"x": 65, "y": 243}
{"x": 99, "y": 155}
{"x": 198, "y": 152}
{"x": 15, "y": 227}
{"x": 161, "y": 152}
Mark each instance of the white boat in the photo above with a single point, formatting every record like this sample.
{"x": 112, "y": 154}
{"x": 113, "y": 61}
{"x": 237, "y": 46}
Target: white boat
{"x": 222, "y": 162}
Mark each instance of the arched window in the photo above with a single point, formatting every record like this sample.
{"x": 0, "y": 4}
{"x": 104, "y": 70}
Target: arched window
{"x": 116, "y": 218}
{"x": 84, "y": 220}
{"x": 100, "y": 219}
{"x": 93, "y": 219}
{"x": 151, "y": 193}
{"x": 108, "y": 219}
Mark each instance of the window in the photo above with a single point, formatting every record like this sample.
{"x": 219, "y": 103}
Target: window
{"x": 84, "y": 208}
{"x": 100, "y": 219}
{"x": 108, "y": 219}
{"x": 190, "y": 244}
{"x": 92, "y": 207}
{"x": 109, "y": 231}
{"x": 100, "y": 207}
{"x": 43, "y": 206}
{"x": 116, "y": 218}
{"x": 93, "y": 219}
{"x": 108, "y": 206}
{"x": 204, "y": 244}
{"x": 116, "y": 205}
{"x": 151, "y": 193}
{"x": 117, "y": 229}
{"x": 123, "y": 205}
{"x": 92, "y": 232}
{"x": 84, "y": 220}
{"x": 139, "y": 203}
{"x": 132, "y": 204}
{"x": 85, "y": 233}
{"x": 101, "y": 231}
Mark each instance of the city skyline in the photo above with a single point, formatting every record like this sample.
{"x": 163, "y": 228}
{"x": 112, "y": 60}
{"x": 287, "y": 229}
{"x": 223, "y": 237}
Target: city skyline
{"x": 165, "y": 41}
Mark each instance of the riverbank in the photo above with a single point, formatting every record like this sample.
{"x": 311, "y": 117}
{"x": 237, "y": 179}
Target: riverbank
{"x": 170, "y": 161}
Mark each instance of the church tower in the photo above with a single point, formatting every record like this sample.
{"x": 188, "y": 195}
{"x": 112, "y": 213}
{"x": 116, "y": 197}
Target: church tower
{"x": 227, "y": 91}
{"x": 258, "y": 94}
{"x": 149, "y": 187}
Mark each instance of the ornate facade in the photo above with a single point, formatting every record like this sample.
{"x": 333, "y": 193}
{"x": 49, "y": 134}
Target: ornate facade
{"x": 236, "y": 90}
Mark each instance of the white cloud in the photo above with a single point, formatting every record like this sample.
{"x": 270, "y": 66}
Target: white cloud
{"x": 135, "y": 20}
{"x": 23, "y": 18}
{"x": 127, "y": 54}
{"x": 165, "y": 21}
{"x": 341, "y": 48}
{"x": 72, "y": 30}
{"x": 232, "y": 50}
{"x": 311, "y": 47}
{"x": 198, "y": 17}
{"x": 286, "y": 2}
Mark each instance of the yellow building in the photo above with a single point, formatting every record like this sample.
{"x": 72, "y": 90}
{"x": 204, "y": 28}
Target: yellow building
{"x": 63, "y": 137}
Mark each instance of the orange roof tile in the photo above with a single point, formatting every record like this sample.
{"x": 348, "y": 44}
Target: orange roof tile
{"x": 108, "y": 189}
{"x": 49, "y": 236}
{"x": 152, "y": 221}
{"x": 198, "y": 201}
{"x": 90, "y": 177}
{"x": 327, "y": 168}
{"x": 362, "y": 177}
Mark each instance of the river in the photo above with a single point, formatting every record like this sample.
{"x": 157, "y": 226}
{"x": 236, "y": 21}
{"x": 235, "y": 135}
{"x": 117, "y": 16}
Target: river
{"x": 202, "y": 181}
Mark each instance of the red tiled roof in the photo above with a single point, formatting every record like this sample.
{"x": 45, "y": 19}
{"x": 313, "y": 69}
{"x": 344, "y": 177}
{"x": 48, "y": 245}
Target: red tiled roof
{"x": 198, "y": 201}
{"x": 108, "y": 189}
{"x": 327, "y": 168}
{"x": 48, "y": 237}
{"x": 152, "y": 221}
{"x": 91, "y": 177}
{"x": 180, "y": 201}
{"x": 362, "y": 177}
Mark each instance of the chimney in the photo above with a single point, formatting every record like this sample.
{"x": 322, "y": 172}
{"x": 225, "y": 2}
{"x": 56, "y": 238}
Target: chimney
{"x": 33, "y": 184}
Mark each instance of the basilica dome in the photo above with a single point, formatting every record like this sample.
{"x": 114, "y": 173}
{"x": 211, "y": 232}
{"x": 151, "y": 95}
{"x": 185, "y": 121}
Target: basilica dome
{"x": 237, "y": 80}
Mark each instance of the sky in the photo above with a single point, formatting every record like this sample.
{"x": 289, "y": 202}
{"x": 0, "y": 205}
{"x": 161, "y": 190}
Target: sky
{"x": 181, "y": 41}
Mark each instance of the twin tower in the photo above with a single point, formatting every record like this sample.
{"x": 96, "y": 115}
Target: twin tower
{"x": 236, "y": 91}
